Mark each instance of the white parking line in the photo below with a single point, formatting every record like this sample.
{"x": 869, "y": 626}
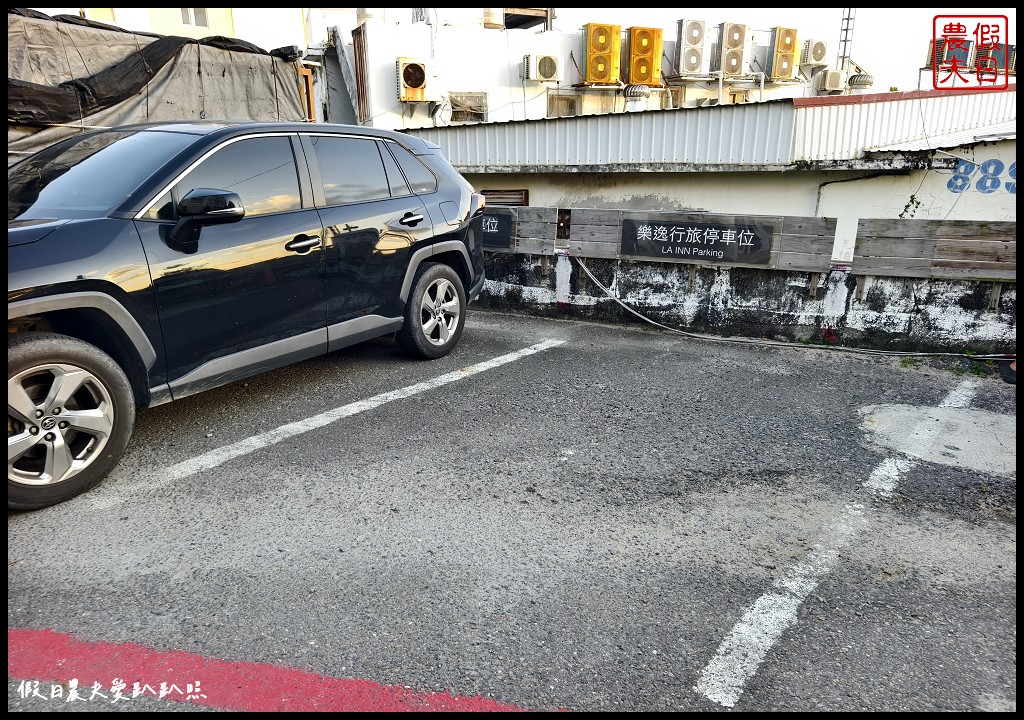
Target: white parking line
{"x": 221, "y": 455}
{"x": 962, "y": 394}
{"x": 103, "y": 501}
{"x": 741, "y": 652}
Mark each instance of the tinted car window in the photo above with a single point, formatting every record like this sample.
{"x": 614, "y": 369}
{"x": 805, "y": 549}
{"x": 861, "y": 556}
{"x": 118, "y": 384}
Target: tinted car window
{"x": 399, "y": 187}
{"x": 351, "y": 168}
{"x": 87, "y": 176}
{"x": 261, "y": 170}
{"x": 419, "y": 177}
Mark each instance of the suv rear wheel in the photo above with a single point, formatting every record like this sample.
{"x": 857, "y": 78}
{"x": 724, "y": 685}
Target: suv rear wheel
{"x": 70, "y": 413}
{"x": 435, "y": 313}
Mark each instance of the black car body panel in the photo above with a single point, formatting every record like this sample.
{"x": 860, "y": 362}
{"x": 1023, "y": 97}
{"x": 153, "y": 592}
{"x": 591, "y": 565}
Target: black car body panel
{"x": 151, "y": 262}
{"x": 185, "y": 294}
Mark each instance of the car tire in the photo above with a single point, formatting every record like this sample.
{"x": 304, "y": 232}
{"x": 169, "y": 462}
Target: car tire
{"x": 435, "y": 313}
{"x": 70, "y": 414}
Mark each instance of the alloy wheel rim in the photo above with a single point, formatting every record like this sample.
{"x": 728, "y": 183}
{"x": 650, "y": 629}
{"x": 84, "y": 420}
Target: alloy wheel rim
{"x": 59, "y": 419}
{"x": 440, "y": 311}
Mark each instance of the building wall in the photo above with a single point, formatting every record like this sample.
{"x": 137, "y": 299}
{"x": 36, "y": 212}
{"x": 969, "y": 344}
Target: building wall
{"x": 270, "y": 28}
{"x": 318, "y": 24}
{"x": 464, "y": 56}
{"x": 894, "y": 314}
{"x": 837, "y": 307}
{"x": 100, "y": 14}
{"x": 986, "y": 192}
{"x": 167, "y": 21}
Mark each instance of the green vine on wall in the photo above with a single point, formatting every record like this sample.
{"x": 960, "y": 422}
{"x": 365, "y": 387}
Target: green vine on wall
{"x": 911, "y": 207}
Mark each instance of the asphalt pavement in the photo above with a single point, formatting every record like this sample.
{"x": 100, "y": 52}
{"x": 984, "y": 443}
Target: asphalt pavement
{"x": 557, "y": 516}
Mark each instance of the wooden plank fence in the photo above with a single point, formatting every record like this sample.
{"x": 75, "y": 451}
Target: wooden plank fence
{"x": 956, "y": 250}
{"x": 948, "y": 249}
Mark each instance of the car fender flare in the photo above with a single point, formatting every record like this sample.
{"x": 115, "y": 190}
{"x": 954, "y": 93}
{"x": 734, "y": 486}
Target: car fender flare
{"x": 418, "y": 257}
{"x": 100, "y": 301}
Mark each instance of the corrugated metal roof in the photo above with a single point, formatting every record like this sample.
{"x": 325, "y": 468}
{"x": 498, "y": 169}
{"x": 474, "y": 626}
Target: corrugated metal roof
{"x": 988, "y": 133}
{"x": 771, "y": 135}
{"x": 844, "y": 130}
{"x": 755, "y": 134}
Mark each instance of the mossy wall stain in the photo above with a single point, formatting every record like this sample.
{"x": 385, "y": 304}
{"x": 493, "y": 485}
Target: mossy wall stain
{"x": 910, "y": 315}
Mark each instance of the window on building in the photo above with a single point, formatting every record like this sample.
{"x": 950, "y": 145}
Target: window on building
{"x": 468, "y": 107}
{"x": 509, "y": 198}
{"x": 194, "y": 16}
{"x": 563, "y": 106}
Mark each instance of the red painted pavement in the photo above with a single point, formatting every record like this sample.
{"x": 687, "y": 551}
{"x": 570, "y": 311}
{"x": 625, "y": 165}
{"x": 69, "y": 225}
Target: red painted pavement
{"x": 51, "y": 657}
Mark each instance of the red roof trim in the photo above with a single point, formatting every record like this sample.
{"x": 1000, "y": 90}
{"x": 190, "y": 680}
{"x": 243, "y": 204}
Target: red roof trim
{"x": 889, "y": 96}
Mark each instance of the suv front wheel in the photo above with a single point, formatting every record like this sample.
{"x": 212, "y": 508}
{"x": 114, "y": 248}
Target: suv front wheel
{"x": 435, "y": 313}
{"x": 70, "y": 413}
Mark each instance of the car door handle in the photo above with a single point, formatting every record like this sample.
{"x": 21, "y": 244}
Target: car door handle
{"x": 303, "y": 243}
{"x": 411, "y": 219}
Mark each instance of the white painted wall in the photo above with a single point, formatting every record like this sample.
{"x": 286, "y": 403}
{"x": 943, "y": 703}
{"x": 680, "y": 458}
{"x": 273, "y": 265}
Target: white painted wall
{"x": 460, "y": 57}
{"x": 789, "y": 193}
{"x": 847, "y": 196}
{"x": 465, "y": 56}
{"x": 318, "y": 23}
{"x": 270, "y": 28}
{"x": 986, "y": 193}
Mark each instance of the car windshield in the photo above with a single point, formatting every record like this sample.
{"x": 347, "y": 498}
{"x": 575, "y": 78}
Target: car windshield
{"x": 87, "y": 176}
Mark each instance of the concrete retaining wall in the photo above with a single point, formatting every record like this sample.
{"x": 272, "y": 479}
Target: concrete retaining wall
{"x": 885, "y": 313}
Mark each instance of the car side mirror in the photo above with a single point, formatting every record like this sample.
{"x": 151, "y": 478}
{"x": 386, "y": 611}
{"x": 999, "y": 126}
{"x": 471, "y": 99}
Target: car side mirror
{"x": 203, "y": 206}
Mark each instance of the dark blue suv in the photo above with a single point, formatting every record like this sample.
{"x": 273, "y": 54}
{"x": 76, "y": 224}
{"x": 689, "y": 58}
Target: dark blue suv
{"x": 151, "y": 262}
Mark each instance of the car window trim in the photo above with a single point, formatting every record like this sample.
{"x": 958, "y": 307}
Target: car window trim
{"x": 437, "y": 180}
{"x": 303, "y": 199}
{"x": 319, "y": 198}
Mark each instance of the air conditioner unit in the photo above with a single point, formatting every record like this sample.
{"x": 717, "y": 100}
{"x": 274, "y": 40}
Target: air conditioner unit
{"x": 412, "y": 79}
{"x": 831, "y": 81}
{"x": 781, "y": 54}
{"x": 729, "y": 55}
{"x": 690, "y": 56}
{"x": 542, "y": 68}
{"x": 602, "y": 50}
{"x": 644, "y": 56}
{"x": 733, "y": 36}
{"x": 813, "y": 53}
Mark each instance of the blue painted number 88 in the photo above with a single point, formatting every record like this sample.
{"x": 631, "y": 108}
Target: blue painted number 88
{"x": 988, "y": 182}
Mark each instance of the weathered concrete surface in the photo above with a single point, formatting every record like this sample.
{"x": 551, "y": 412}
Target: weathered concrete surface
{"x": 897, "y": 314}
